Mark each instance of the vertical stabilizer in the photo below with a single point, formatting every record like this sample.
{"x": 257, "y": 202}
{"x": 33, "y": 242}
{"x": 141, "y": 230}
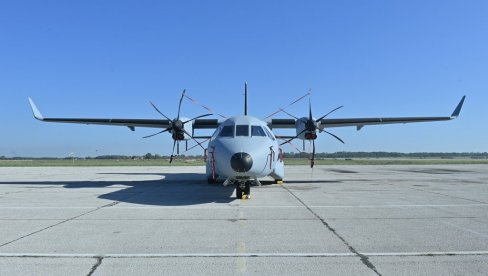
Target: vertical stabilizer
{"x": 245, "y": 98}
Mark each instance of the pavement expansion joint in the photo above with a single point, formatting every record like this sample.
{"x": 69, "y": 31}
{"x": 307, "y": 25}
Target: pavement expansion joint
{"x": 59, "y": 223}
{"x": 95, "y": 266}
{"x": 364, "y": 259}
{"x": 450, "y": 196}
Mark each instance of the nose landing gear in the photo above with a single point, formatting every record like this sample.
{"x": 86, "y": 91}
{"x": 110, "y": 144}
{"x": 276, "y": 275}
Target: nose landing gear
{"x": 243, "y": 190}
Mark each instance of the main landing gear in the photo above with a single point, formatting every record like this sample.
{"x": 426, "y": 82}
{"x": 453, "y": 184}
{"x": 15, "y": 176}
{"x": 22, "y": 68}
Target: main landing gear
{"x": 243, "y": 190}
{"x": 212, "y": 180}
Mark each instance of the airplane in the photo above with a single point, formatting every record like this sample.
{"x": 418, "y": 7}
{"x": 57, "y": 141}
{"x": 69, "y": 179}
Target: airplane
{"x": 244, "y": 148}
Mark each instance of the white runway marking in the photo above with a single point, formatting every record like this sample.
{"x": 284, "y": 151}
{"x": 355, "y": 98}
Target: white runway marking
{"x": 399, "y": 206}
{"x": 240, "y": 255}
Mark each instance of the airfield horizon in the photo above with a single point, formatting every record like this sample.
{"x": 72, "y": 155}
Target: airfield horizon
{"x": 200, "y": 162}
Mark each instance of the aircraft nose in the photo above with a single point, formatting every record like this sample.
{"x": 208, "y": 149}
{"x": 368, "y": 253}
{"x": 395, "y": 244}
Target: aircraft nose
{"x": 241, "y": 162}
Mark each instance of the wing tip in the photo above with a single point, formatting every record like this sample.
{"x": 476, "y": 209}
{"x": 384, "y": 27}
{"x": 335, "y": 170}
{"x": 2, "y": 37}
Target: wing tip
{"x": 35, "y": 111}
{"x": 457, "y": 111}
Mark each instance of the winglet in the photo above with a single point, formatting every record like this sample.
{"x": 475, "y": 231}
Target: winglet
{"x": 456, "y": 112}
{"x": 35, "y": 111}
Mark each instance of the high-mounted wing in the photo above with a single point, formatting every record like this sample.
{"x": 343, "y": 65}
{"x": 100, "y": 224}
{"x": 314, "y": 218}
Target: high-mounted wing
{"x": 130, "y": 123}
{"x": 361, "y": 122}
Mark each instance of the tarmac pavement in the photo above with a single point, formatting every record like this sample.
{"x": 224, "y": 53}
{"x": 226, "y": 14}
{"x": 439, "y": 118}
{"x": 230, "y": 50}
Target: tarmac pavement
{"x": 334, "y": 220}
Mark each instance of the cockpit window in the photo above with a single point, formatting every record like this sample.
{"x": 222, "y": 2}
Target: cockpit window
{"x": 242, "y": 130}
{"x": 257, "y": 131}
{"x": 270, "y": 135}
{"x": 227, "y": 131}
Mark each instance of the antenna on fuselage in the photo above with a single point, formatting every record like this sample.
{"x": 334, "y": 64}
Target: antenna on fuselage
{"x": 245, "y": 98}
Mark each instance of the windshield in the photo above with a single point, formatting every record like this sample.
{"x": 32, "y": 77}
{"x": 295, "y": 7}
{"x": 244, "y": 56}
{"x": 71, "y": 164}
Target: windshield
{"x": 227, "y": 131}
{"x": 257, "y": 131}
{"x": 270, "y": 134}
{"x": 242, "y": 130}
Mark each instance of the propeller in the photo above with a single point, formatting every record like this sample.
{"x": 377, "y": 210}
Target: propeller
{"x": 176, "y": 128}
{"x": 283, "y": 109}
{"x": 311, "y": 127}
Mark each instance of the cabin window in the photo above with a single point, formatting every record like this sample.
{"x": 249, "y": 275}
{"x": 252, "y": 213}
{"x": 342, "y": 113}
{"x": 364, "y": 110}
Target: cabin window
{"x": 242, "y": 130}
{"x": 257, "y": 131}
{"x": 227, "y": 131}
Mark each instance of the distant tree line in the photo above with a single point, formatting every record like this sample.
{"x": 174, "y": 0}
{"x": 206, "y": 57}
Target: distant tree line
{"x": 336, "y": 155}
{"x": 383, "y": 154}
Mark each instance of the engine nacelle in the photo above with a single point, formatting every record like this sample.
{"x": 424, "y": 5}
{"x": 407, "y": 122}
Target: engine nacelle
{"x": 181, "y": 135}
{"x": 301, "y": 125}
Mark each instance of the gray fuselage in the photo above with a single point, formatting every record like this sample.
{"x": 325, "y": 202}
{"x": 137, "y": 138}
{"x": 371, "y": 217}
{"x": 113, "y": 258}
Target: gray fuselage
{"x": 242, "y": 148}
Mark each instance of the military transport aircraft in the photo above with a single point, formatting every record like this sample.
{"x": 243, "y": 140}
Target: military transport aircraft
{"x": 244, "y": 148}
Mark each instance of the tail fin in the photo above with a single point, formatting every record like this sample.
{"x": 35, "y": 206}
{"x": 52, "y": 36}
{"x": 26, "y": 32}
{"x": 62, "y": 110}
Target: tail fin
{"x": 245, "y": 98}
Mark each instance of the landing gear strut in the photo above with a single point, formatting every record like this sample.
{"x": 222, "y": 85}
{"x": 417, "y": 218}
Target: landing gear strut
{"x": 243, "y": 190}
{"x": 212, "y": 180}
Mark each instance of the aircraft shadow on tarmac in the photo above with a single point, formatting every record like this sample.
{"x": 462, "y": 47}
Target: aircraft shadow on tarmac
{"x": 170, "y": 190}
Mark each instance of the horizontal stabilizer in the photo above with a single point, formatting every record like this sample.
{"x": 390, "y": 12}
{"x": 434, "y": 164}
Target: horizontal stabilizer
{"x": 35, "y": 111}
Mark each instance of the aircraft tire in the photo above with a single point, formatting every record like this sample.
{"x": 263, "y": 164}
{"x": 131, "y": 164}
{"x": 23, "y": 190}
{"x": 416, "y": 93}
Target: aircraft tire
{"x": 247, "y": 190}
{"x": 239, "y": 192}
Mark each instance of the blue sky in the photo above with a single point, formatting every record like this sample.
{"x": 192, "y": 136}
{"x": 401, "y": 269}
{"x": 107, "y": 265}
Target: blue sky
{"x": 109, "y": 58}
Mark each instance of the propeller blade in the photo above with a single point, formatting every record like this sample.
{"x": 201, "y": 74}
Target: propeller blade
{"x": 310, "y": 109}
{"x": 186, "y": 132}
{"x": 294, "y": 146}
{"x": 282, "y": 109}
{"x": 299, "y": 99}
{"x": 179, "y": 106}
{"x": 156, "y": 133}
{"x": 320, "y": 119}
{"x": 197, "y": 118}
{"x": 333, "y": 135}
{"x": 203, "y": 106}
{"x": 200, "y": 144}
{"x": 172, "y": 152}
{"x": 159, "y": 111}
{"x": 289, "y": 140}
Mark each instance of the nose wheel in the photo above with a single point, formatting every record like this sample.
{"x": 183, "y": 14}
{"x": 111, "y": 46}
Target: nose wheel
{"x": 243, "y": 190}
